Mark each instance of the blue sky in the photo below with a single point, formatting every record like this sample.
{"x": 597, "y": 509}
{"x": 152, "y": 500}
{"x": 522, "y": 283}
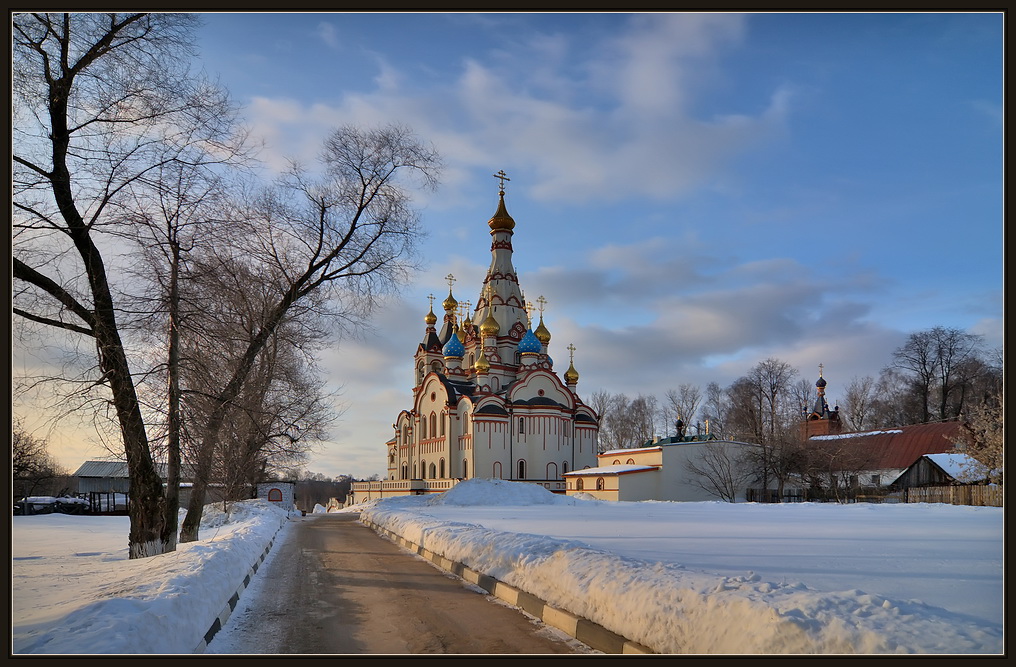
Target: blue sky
{"x": 693, "y": 192}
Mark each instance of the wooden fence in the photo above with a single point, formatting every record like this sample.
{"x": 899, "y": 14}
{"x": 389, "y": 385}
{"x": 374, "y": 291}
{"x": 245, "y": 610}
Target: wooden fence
{"x": 990, "y": 496}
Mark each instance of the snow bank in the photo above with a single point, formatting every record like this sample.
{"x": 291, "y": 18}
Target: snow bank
{"x": 114, "y": 605}
{"x": 666, "y": 607}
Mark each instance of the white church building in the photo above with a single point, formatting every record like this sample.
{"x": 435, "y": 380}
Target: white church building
{"x": 487, "y": 402}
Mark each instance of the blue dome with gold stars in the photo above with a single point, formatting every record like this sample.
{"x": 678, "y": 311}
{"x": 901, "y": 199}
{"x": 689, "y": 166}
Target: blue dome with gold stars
{"x": 454, "y": 347}
{"x": 530, "y": 344}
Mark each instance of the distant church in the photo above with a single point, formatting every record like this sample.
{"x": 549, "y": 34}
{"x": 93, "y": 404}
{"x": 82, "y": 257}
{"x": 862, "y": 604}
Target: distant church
{"x": 486, "y": 400}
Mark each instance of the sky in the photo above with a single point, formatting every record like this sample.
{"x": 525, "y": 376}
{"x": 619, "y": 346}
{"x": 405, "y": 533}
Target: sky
{"x": 917, "y": 578}
{"x": 693, "y": 192}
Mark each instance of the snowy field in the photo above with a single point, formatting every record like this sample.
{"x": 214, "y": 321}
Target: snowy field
{"x": 700, "y": 578}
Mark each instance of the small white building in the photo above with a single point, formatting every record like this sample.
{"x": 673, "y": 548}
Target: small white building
{"x": 677, "y": 469}
{"x": 281, "y": 493}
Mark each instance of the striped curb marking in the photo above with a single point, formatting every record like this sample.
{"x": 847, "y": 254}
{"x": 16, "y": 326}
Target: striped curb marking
{"x": 589, "y": 633}
{"x": 223, "y": 616}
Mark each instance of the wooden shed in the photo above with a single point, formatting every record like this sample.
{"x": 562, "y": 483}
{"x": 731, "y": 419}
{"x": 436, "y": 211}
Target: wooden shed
{"x": 945, "y": 469}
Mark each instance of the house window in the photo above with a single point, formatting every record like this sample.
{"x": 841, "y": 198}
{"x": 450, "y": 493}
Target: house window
{"x": 630, "y": 461}
{"x": 617, "y": 462}
{"x": 497, "y": 470}
{"x": 423, "y": 428}
{"x": 433, "y": 470}
{"x": 578, "y": 484}
{"x": 433, "y": 425}
{"x": 522, "y": 469}
{"x": 551, "y": 470}
{"x": 405, "y": 471}
{"x": 522, "y": 425}
{"x": 564, "y": 467}
{"x": 274, "y": 495}
{"x": 465, "y": 469}
{"x": 442, "y": 475}
{"x": 599, "y": 484}
{"x": 875, "y": 480}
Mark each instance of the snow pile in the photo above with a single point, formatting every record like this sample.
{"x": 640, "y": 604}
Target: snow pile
{"x": 666, "y": 606}
{"x": 496, "y": 491}
{"x": 86, "y": 597}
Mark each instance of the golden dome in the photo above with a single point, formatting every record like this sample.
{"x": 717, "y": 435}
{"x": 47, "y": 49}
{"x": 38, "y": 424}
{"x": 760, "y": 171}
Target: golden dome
{"x": 571, "y": 376}
{"x": 482, "y": 365}
{"x": 450, "y": 303}
{"x": 501, "y": 219}
{"x": 490, "y": 327}
{"x": 430, "y": 318}
{"x": 542, "y": 333}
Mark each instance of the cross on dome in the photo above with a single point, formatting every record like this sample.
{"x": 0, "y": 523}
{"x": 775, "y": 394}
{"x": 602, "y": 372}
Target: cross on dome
{"x": 571, "y": 352}
{"x": 502, "y": 177}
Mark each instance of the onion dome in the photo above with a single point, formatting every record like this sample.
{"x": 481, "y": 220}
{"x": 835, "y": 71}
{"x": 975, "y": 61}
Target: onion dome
{"x": 501, "y": 220}
{"x": 450, "y": 303}
{"x": 821, "y": 382}
{"x": 530, "y": 344}
{"x": 490, "y": 327}
{"x": 542, "y": 333}
{"x": 430, "y": 318}
{"x": 571, "y": 376}
{"x": 454, "y": 348}
{"x": 481, "y": 365}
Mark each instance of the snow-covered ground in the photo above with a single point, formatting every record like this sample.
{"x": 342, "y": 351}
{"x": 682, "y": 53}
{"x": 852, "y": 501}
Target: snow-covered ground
{"x": 703, "y": 578}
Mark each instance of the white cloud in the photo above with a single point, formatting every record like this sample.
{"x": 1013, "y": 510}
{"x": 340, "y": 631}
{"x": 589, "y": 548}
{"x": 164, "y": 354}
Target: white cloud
{"x": 326, "y": 32}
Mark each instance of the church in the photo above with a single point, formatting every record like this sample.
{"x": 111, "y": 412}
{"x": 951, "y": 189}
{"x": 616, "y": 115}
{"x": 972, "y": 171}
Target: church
{"x": 487, "y": 402}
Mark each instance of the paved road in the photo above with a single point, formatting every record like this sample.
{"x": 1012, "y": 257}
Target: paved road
{"x": 333, "y": 586}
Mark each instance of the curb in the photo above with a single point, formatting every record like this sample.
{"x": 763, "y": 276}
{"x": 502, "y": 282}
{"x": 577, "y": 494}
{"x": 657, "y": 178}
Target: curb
{"x": 589, "y": 633}
{"x": 223, "y": 616}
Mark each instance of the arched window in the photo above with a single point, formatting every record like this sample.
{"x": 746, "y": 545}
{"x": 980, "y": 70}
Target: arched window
{"x": 495, "y": 384}
{"x": 599, "y": 484}
{"x": 423, "y": 428}
{"x": 433, "y": 470}
{"x": 423, "y": 469}
{"x": 564, "y": 467}
{"x": 442, "y": 471}
{"x": 617, "y": 462}
{"x": 630, "y": 461}
{"x": 391, "y": 459}
{"x": 275, "y": 495}
{"x": 497, "y": 470}
{"x": 465, "y": 469}
{"x": 442, "y": 418}
{"x": 405, "y": 471}
{"x": 433, "y": 425}
{"x": 551, "y": 470}
{"x": 419, "y": 373}
{"x": 522, "y": 425}
{"x": 522, "y": 469}
{"x": 578, "y": 484}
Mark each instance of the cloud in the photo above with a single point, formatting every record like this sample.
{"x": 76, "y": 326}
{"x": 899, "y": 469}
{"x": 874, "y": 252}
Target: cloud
{"x": 618, "y": 125}
{"x": 326, "y": 32}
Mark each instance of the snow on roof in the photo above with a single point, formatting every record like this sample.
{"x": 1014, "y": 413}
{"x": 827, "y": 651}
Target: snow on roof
{"x": 958, "y": 466}
{"x": 841, "y": 436}
{"x": 610, "y": 470}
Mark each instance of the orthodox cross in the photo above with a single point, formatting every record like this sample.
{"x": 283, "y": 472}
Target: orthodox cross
{"x": 502, "y": 177}
{"x": 542, "y": 302}
{"x": 450, "y": 279}
{"x": 430, "y": 297}
{"x": 571, "y": 352}
{"x": 464, "y": 309}
{"x": 820, "y": 367}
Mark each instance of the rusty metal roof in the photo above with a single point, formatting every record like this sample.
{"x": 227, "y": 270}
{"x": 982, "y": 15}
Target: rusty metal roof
{"x": 894, "y": 448}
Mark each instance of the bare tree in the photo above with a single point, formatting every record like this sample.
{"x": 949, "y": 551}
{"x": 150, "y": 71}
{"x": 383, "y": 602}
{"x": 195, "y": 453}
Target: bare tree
{"x": 721, "y": 471}
{"x": 935, "y": 360}
{"x": 100, "y": 102}
{"x": 32, "y": 466}
{"x": 331, "y": 245}
{"x": 984, "y": 440}
{"x": 858, "y": 402}
{"x": 683, "y": 404}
